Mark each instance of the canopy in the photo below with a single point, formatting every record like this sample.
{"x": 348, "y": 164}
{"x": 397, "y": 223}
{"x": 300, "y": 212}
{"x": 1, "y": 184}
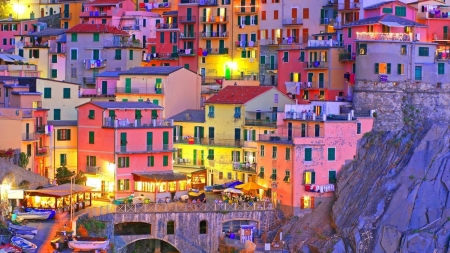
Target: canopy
{"x": 250, "y": 186}
{"x": 17, "y": 57}
{"x": 59, "y": 190}
{"x": 232, "y": 184}
{"x": 232, "y": 190}
{"x": 6, "y": 58}
{"x": 391, "y": 24}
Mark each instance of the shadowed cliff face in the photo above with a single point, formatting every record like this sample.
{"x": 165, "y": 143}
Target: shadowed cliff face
{"x": 394, "y": 195}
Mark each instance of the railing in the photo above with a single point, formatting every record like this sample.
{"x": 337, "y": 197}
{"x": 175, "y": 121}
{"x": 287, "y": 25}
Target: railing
{"x": 187, "y": 19}
{"x": 140, "y": 90}
{"x": 445, "y": 36}
{"x": 244, "y": 44}
{"x": 292, "y": 21}
{"x": 89, "y": 80}
{"x": 208, "y": 141}
{"x": 166, "y": 56}
{"x": 346, "y": 56}
{"x": 269, "y": 66}
{"x": 131, "y": 28}
{"x": 179, "y": 207}
{"x": 36, "y": 44}
{"x": 55, "y": 50}
{"x": 349, "y": 6}
{"x": 213, "y": 19}
{"x": 245, "y": 9}
{"x": 214, "y": 35}
{"x": 337, "y": 25}
{"x": 167, "y": 26}
{"x": 312, "y": 85}
{"x": 324, "y": 43}
{"x": 316, "y": 65}
{"x": 260, "y": 122}
{"x": 217, "y": 50}
{"x": 245, "y": 167}
{"x": 442, "y": 56}
{"x": 189, "y": 162}
{"x": 30, "y": 137}
{"x": 92, "y": 169}
{"x": 65, "y": 15}
{"x": 306, "y": 132}
{"x": 144, "y": 148}
{"x": 188, "y": 35}
{"x": 141, "y": 123}
{"x": 40, "y": 129}
{"x": 162, "y": 5}
{"x": 43, "y": 151}
{"x": 186, "y": 52}
{"x": 383, "y": 36}
{"x": 254, "y": 77}
{"x": 94, "y": 63}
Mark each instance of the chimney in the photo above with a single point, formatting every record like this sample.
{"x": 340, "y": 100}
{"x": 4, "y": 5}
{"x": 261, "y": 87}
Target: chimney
{"x": 188, "y": 116}
{"x": 10, "y": 17}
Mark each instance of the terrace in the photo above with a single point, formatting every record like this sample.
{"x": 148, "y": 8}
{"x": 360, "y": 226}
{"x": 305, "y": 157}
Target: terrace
{"x": 136, "y": 123}
{"x": 384, "y": 36}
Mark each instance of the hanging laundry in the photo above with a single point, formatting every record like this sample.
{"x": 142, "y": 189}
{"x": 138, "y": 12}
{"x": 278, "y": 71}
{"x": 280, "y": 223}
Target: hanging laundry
{"x": 297, "y": 88}
{"x": 93, "y": 64}
{"x": 99, "y": 63}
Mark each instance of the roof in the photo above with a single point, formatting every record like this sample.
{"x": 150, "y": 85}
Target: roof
{"x": 237, "y": 94}
{"x": 59, "y": 190}
{"x": 95, "y": 28}
{"x": 377, "y": 5}
{"x": 161, "y": 175}
{"x": 163, "y": 70}
{"x": 189, "y": 115}
{"x": 62, "y": 122}
{"x": 124, "y": 105}
{"x": 170, "y": 13}
{"x": 46, "y": 32}
{"x": 109, "y": 74}
{"x": 384, "y": 18}
{"x": 25, "y": 93}
{"x": 104, "y": 2}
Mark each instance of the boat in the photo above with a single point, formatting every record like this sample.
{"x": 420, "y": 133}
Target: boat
{"x": 24, "y": 234}
{"x": 52, "y": 212}
{"x": 9, "y": 248}
{"x": 34, "y": 215}
{"x": 18, "y": 227}
{"x": 88, "y": 243}
{"x": 23, "y": 244}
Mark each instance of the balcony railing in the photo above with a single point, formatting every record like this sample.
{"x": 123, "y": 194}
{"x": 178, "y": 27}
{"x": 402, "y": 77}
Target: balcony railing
{"x": 324, "y": 43}
{"x": 206, "y": 35}
{"x": 217, "y": 51}
{"x": 55, "y": 50}
{"x": 292, "y": 21}
{"x": 88, "y": 80}
{"x": 188, "y": 35}
{"x": 260, "y": 122}
{"x": 269, "y": 66}
{"x": 165, "y": 56}
{"x": 347, "y": 56}
{"x": 445, "y": 36}
{"x": 316, "y": 65}
{"x": 244, "y": 167}
{"x": 213, "y": 19}
{"x": 160, "y": 5}
{"x": 43, "y": 151}
{"x": 442, "y": 56}
{"x": 109, "y": 43}
{"x": 242, "y": 10}
{"x": 139, "y": 90}
{"x": 167, "y": 26}
{"x": 65, "y": 15}
{"x": 189, "y": 162}
{"x": 349, "y": 6}
{"x": 131, "y": 28}
{"x": 30, "y": 137}
{"x": 93, "y": 169}
{"x": 244, "y": 44}
{"x": 187, "y": 19}
{"x": 136, "y": 123}
{"x": 383, "y": 36}
{"x": 186, "y": 52}
{"x": 144, "y": 148}
{"x": 337, "y": 25}
{"x": 207, "y": 141}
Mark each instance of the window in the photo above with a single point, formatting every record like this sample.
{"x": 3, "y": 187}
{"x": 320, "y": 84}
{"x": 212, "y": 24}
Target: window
{"x": 161, "y": 38}
{"x": 308, "y": 154}
{"x": 331, "y": 154}
{"x": 261, "y": 172}
{"x": 150, "y": 161}
{"x": 96, "y": 37}
{"x": 400, "y": 69}
{"x": 275, "y": 14}
{"x": 131, "y": 56}
{"x": 332, "y": 177}
{"x": 73, "y": 54}
{"x": 26, "y": 27}
{"x": 28, "y": 149}
{"x": 288, "y": 154}
{"x": 91, "y": 160}
{"x": 305, "y": 13}
{"x": 274, "y": 174}
{"x": 210, "y": 154}
{"x": 124, "y": 162}
{"x": 54, "y": 58}
{"x": 62, "y": 159}
{"x": 362, "y": 49}
{"x": 5, "y": 41}
{"x": 47, "y": 92}
{"x": 211, "y": 111}
{"x": 262, "y": 151}
{"x": 424, "y": 51}
{"x": 220, "y": 175}
{"x": 285, "y": 56}
{"x": 91, "y": 114}
{"x": 236, "y": 156}
{"x": 203, "y": 60}
{"x": 400, "y": 11}
{"x": 418, "y": 73}
{"x": 358, "y": 128}
{"x": 54, "y": 73}
{"x": 63, "y": 134}
{"x": 73, "y": 72}
{"x": 165, "y": 160}
{"x": 203, "y": 227}
{"x": 403, "y": 49}
{"x": 387, "y": 10}
{"x": 382, "y": 68}
{"x": 263, "y": 15}
{"x": 309, "y": 177}
{"x": 237, "y": 112}
{"x": 118, "y": 54}
{"x": 229, "y": 176}
{"x": 274, "y": 152}
{"x": 74, "y": 37}
{"x": 441, "y": 68}
{"x": 91, "y": 137}
{"x": 66, "y": 92}
{"x": 56, "y": 114}
{"x": 123, "y": 184}
{"x": 349, "y": 32}
{"x": 302, "y": 56}
{"x": 287, "y": 177}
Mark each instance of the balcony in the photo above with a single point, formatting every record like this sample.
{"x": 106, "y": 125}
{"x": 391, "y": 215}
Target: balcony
{"x": 442, "y": 56}
{"x": 136, "y": 123}
{"x": 207, "y": 141}
{"x": 187, "y": 36}
{"x": 214, "y": 19}
{"x": 337, "y": 25}
{"x": 30, "y": 137}
{"x": 65, "y": 16}
{"x": 187, "y": 162}
{"x": 131, "y": 28}
{"x": 347, "y": 56}
{"x": 216, "y": 35}
{"x": 54, "y": 49}
{"x": 444, "y": 37}
{"x": 207, "y": 2}
{"x": 244, "y": 167}
{"x": 43, "y": 44}
{"x": 186, "y": 52}
{"x": 217, "y": 51}
{"x": 269, "y": 66}
{"x": 94, "y": 63}
{"x": 245, "y": 44}
{"x": 110, "y": 43}
{"x": 164, "y": 56}
{"x": 349, "y": 6}
{"x": 142, "y": 149}
{"x": 316, "y": 65}
{"x": 323, "y": 43}
{"x": 167, "y": 26}
{"x": 292, "y": 21}
{"x": 99, "y": 14}
{"x": 383, "y": 36}
{"x": 43, "y": 151}
{"x": 245, "y": 10}
{"x": 40, "y": 129}
{"x": 88, "y": 80}
{"x": 93, "y": 169}
{"x": 443, "y": 14}
{"x": 268, "y": 122}
{"x": 139, "y": 90}
{"x": 187, "y": 19}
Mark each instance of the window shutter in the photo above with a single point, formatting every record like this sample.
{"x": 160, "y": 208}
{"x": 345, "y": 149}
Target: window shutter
{"x": 313, "y": 177}
{"x": 58, "y": 134}
{"x": 127, "y": 162}
{"x": 254, "y": 136}
{"x": 311, "y": 204}
{"x": 256, "y": 19}
{"x": 377, "y": 67}
{"x": 239, "y": 20}
{"x": 292, "y": 76}
{"x": 245, "y": 134}
{"x": 68, "y": 134}
{"x": 388, "y": 68}
{"x": 399, "y": 69}
{"x": 302, "y": 203}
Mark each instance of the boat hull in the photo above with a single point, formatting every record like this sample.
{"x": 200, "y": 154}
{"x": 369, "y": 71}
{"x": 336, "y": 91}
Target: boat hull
{"x": 21, "y": 228}
{"x": 25, "y": 245}
{"x": 26, "y": 234}
{"x": 34, "y": 216}
{"x": 88, "y": 245}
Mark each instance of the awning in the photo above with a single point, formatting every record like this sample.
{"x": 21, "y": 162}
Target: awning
{"x": 160, "y": 176}
{"x": 17, "y": 57}
{"x": 59, "y": 190}
{"x": 391, "y": 24}
{"x": 187, "y": 170}
{"x": 6, "y": 58}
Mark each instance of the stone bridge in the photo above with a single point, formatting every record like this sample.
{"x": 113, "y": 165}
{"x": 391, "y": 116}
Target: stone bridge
{"x": 186, "y": 218}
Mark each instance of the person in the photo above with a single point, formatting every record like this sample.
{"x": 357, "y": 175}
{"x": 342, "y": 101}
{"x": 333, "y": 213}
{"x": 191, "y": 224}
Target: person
{"x": 194, "y": 201}
{"x": 216, "y": 201}
{"x": 204, "y": 200}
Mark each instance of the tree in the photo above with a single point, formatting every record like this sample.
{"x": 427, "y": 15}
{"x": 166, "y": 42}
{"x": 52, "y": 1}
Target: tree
{"x": 63, "y": 175}
{"x": 5, "y": 9}
{"x": 24, "y": 159}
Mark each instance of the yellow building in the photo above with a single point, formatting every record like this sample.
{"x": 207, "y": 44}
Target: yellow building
{"x": 70, "y": 13}
{"x": 222, "y": 138}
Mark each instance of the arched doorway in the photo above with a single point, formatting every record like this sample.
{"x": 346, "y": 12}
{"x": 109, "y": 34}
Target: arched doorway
{"x": 42, "y": 12}
{"x": 51, "y": 11}
{"x": 150, "y": 245}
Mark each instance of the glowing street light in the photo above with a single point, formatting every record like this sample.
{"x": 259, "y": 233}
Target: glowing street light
{"x": 19, "y": 9}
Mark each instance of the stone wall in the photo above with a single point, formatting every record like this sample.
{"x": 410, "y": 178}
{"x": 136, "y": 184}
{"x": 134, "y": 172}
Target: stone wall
{"x": 14, "y": 175}
{"x": 401, "y": 104}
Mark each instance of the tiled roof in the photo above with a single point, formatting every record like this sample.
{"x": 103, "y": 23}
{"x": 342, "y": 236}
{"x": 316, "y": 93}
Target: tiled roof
{"x": 125, "y": 105}
{"x": 237, "y": 94}
{"x": 377, "y": 5}
{"x": 62, "y": 122}
{"x": 104, "y": 2}
{"x": 384, "y": 18}
{"x": 95, "y": 28}
{"x": 109, "y": 74}
{"x": 189, "y": 115}
{"x": 164, "y": 70}
{"x": 46, "y": 32}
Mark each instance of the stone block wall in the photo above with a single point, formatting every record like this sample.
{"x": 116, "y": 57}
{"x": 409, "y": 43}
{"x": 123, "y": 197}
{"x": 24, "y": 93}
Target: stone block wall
{"x": 14, "y": 175}
{"x": 400, "y": 104}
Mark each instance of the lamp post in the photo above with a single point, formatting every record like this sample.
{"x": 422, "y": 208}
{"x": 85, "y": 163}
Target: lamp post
{"x": 71, "y": 202}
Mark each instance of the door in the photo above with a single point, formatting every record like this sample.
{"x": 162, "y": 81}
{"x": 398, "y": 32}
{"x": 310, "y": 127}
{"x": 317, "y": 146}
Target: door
{"x": 294, "y": 15}
{"x": 42, "y": 12}
{"x": 237, "y": 136}
{"x": 221, "y": 44}
{"x": 66, "y": 10}
{"x": 123, "y": 142}
{"x": 51, "y": 11}
{"x": 272, "y": 80}
{"x": 305, "y": 33}
{"x": 274, "y": 113}
{"x": 189, "y": 14}
{"x": 104, "y": 87}
{"x": 258, "y": 115}
{"x": 149, "y": 141}
{"x": 321, "y": 80}
{"x": 137, "y": 117}
{"x": 446, "y": 32}
{"x": 96, "y": 54}
{"x": 194, "y": 157}
{"x": 211, "y": 135}
{"x": 166, "y": 140}
{"x": 128, "y": 85}
{"x": 290, "y": 131}
{"x": 27, "y": 131}
{"x": 303, "y": 134}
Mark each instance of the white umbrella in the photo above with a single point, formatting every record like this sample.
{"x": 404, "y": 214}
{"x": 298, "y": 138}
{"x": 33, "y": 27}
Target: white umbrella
{"x": 232, "y": 190}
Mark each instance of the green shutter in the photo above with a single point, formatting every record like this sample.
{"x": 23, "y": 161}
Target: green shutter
{"x": 388, "y": 68}
{"x": 349, "y": 32}
{"x": 73, "y": 54}
{"x": 58, "y": 135}
{"x": 253, "y": 135}
{"x": 54, "y": 58}
{"x": 313, "y": 177}
{"x": 149, "y": 138}
{"x": 96, "y": 37}
{"x": 128, "y": 85}
{"x": 127, "y": 162}
{"x": 441, "y": 68}
{"x": 66, "y": 92}
{"x": 56, "y": 114}
{"x": 358, "y": 128}
{"x": 308, "y": 154}
{"x": 262, "y": 59}
{"x": 399, "y": 69}
{"x": 47, "y": 92}
{"x": 161, "y": 38}
{"x": 91, "y": 137}
{"x": 165, "y": 138}
{"x": 123, "y": 139}
{"x": 151, "y": 161}
{"x": 377, "y": 68}
{"x": 331, "y": 154}
{"x": 74, "y": 37}
{"x": 165, "y": 160}
{"x": 245, "y": 134}
{"x": 332, "y": 176}
{"x": 68, "y": 134}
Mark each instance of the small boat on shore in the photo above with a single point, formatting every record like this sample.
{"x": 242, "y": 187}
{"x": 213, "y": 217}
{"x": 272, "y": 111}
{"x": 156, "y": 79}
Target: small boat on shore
{"x": 34, "y": 215}
{"x": 21, "y": 228}
{"x": 26, "y": 234}
{"x": 88, "y": 243}
{"x": 9, "y": 248}
{"x": 52, "y": 212}
{"x": 23, "y": 244}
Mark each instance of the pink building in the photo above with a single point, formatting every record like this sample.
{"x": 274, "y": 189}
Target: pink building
{"x": 105, "y": 83}
{"x": 10, "y": 28}
{"x": 102, "y": 11}
{"x": 128, "y": 149}
{"x": 300, "y": 162}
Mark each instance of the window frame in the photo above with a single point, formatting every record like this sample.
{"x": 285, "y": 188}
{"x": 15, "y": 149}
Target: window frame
{"x": 333, "y": 158}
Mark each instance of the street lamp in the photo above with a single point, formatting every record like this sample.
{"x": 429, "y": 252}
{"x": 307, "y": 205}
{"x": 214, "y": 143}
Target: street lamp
{"x": 71, "y": 191}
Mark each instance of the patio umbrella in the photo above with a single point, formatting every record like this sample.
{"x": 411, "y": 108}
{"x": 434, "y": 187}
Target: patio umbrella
{"x": 250, "y": 186}
{"x": 232, "y": 190}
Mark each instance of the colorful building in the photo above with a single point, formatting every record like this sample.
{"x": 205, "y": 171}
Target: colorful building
{"x": 70, "y": 13}
{"x": 63, "y": 144}
{"x": 12, "y": 27}
{"x": 127, "y": 148}
{"x": 300, "y": 161}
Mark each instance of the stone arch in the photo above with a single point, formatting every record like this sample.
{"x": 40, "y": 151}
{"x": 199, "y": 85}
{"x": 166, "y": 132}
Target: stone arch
{"x": 25, "y": 184}
{"x": 9, "y": 179}
{"x": 121, "y": 249}
{"x": 133, "y": 228}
